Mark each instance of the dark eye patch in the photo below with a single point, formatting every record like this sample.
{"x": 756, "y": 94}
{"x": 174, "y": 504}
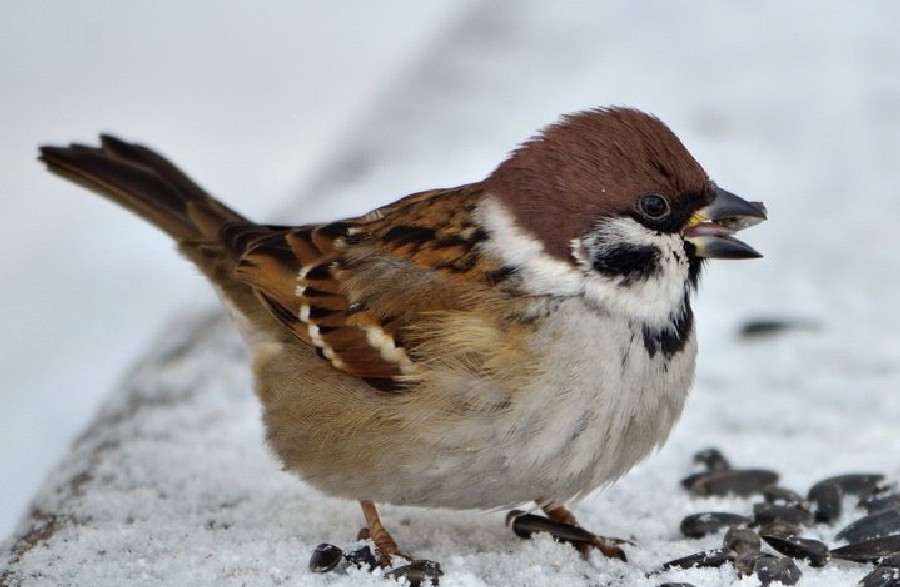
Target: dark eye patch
{"x": 633, "y": 262}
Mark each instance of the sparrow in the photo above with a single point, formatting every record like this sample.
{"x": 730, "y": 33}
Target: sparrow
{"x": 525, "y": 338}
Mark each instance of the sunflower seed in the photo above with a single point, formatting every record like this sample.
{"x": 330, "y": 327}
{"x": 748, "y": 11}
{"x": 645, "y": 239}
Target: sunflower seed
{"x": 803, "y": 548}
{"x": 740, "y": 541}
{"x": 417, "y": 572}
{"x": 779, "y": 528}
{"x": 741, "y": 482}
{"x": 776, "y": 568}
{"x": 878, "y": 503}
{"x": 883, "y": 523}
{"x": 882, "y": 577}
{"x": 828, "y": 496}
{"x": 868, "y": 551}
{"x": 712, "y": 459}
{"x": 361, "y": 557}
{"x": 765, "y": 513}
{"x": 325, "y": 558}
{"x": 705, "y": 523}
{"x": 525, "y": 525}
{"x": 707, "y": 558}
{"x": 856, "y": 483}
{"x": 778, "y": 495}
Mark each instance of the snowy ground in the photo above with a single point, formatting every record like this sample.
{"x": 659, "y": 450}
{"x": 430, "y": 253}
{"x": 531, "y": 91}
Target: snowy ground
{"x": 795, "y": 105}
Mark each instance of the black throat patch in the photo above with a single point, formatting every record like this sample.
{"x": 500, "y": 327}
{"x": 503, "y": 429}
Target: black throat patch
{"x": 671, "y": 338}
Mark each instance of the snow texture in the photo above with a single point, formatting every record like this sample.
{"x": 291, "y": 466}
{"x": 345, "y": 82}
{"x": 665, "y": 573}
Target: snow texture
{"x": 791, "y": 103}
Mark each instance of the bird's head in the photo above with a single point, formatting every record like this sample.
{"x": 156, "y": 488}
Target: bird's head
{"x": 609, "y": 204}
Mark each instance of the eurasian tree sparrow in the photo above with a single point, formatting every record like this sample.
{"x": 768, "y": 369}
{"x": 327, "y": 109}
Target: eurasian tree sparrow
{"x": 524, "y": 338}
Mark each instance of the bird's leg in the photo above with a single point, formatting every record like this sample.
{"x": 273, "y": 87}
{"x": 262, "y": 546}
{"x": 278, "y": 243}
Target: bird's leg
{"x": 384, "y": 543}
{"x": 609, "y": 547}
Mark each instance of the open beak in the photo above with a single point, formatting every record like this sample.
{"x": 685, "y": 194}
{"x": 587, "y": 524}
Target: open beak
{"x": 710, "y": 230}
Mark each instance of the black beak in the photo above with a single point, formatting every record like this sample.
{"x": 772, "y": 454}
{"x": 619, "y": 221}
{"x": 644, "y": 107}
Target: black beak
{"x": 710, "y": 230}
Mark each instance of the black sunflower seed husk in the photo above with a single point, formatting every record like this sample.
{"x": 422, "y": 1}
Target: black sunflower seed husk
{"x": 856, "y": 483}
{"x": 770, "y": 569}
{"x": 325, "y": 558}
{"x": 868, "y": 551}
{"x": 883, "y": 523}
{"x": 417, "y": 572}
{"x": 705, "y": 523}
{"x": 739, "y": 482}
{"x": 814, "y": 551}
{"x": 881, "y": 577}
{"x": 712, "y": 459}
{"x": 741, "y": 541}
{"x": 827, "y": 497}
{"x": 766, "y": 513}
{"x": 524, "y": 525}
{"x": 706, "y": 558}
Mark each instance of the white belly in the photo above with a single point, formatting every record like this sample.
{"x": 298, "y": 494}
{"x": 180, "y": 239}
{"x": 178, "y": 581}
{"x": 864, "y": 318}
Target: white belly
{"x": 602, "y": 403}
{"x": 599, "y": 406}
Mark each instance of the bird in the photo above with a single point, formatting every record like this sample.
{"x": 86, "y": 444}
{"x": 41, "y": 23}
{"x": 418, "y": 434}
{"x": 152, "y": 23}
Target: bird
{"x": 523, "y": 339}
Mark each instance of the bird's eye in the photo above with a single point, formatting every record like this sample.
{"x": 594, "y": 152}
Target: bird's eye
{"x": 653, "y": 206}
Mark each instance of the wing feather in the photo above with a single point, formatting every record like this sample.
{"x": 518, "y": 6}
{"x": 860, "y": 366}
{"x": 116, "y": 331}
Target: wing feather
{"x": 339, "y": 287}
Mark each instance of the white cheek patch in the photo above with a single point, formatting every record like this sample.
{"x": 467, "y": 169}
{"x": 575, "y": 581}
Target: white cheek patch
{"x": 540, "y": 273}
{"x": 654, "y": 299}
{"x": 654, "y": 292}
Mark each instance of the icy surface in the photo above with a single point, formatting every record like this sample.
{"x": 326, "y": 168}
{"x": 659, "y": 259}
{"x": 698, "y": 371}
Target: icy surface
{"x": 793, "y": 104}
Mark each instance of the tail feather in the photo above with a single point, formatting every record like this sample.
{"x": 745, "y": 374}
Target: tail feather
{"x": 145, "y": 183}
{"x": 207, "y": 231}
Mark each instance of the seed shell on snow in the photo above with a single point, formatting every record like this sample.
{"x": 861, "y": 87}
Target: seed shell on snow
{"x": 881, "y": 577}
{"x": 879, "y": 502}
{"x": 868, "y": 551}
{"x": 325, "y": 558}
{"x": 814, "y": 551}
{"x": 765, "y": 513}
{"x": 778, "y": 495}
{"x": 706, "y": 558}
{"x": 417, "y": 572}
{"x": 524, "y": 525}
{"x": 770, "y": 569}
{"x": 361, "y": 557}
{"x": 740, "y": 482}
{"x": 741, "y": 541}
{"x": 705, "y": 523}
{"x": 856, "y": 483}
{"x": 827, "y": 497}
{"x": 883, "y": 523}
{"x": 712, "y": 459}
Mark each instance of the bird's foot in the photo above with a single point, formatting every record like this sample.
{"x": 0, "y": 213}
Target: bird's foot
{"x": 385, "y": 546}
{"x": 415, "y": 572}
{"x": 562, "y": 525}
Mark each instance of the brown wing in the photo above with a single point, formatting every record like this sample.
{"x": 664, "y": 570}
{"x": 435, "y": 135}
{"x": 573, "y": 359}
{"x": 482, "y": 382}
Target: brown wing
{"x": 343, "y": 288}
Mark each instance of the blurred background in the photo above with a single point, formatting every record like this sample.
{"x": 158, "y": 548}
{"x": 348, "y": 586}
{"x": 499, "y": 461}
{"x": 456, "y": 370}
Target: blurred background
{"x": 251, "y": 98}
{"x": 303, "y": 111}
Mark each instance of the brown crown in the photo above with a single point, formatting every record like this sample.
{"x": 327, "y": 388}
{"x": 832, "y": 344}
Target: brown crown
{"x": 590, "y": 165}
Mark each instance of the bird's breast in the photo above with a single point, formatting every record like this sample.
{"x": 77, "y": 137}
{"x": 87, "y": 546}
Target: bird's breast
{"x": 599, "y": 403}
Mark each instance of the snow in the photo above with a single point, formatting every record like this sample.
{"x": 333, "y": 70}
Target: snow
{"x": 794, "y": 104}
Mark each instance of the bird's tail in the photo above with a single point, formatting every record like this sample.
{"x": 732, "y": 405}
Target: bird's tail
{"x": 146, "y": 183}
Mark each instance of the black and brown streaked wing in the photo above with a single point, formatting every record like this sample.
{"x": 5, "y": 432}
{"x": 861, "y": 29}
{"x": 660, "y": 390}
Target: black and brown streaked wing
{"x": 336, "y": 286}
